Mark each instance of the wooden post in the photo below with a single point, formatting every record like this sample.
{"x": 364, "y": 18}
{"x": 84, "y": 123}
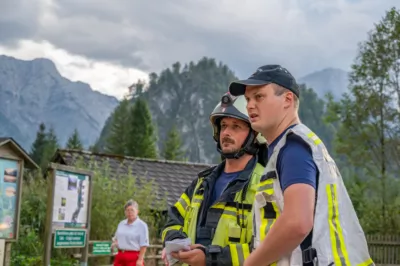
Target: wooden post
{"x": 85, "y": 250}
{"x": 48, "y": 233}
{"x": 7, "y": 255}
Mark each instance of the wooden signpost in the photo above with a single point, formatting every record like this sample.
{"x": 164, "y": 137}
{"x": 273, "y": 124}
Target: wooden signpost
{"x": 68, "y": 210}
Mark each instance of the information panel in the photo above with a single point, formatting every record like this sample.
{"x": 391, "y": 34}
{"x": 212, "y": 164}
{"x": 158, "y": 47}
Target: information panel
{"x": 9, "y": 191}
{"x": 70, "y": 205}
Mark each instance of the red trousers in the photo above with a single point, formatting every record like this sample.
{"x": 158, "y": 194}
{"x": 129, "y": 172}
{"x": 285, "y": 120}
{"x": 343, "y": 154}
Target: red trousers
{"x": 126, "y": 258}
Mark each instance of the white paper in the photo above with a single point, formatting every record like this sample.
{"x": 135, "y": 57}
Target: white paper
{"x": 175, "y": 246}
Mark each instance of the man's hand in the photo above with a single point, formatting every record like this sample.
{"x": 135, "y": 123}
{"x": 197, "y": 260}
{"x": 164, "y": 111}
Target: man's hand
{"x": 193, "y": 257}
{"x": 164, "y": 257}
{"x": 139, "y": 262}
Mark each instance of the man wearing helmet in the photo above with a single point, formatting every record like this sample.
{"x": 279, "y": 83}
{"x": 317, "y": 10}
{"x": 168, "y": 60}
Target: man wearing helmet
{"x": 215, "y": 210}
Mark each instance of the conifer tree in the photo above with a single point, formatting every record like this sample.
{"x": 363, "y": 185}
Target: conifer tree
{"x": 50, "y": 148}
{"x": 141, "y": 141}
{"x": 74, "y": 141}
{"x": 39, "y": 144}
{"x": 116, "y": 143}
{"x": 172, "y": 149}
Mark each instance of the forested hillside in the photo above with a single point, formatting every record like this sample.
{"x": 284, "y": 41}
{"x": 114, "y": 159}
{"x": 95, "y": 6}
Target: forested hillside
{"x": 184, "y": 96}
{"x": 361, "y": 129}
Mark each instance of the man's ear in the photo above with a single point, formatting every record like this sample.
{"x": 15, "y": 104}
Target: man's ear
{"x": 288, "y": 99}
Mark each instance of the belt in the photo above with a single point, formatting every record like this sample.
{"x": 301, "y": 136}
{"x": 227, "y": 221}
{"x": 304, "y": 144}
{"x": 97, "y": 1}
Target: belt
{"x": 125, "y": 250}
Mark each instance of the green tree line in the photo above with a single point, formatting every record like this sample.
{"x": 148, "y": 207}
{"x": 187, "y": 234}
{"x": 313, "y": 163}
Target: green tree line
{"x": 368, "y": 127}
{"x": 132, "y": 133}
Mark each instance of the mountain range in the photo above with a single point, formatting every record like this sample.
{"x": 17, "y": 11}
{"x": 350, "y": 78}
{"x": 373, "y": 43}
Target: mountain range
{"x": 33, "y": 91}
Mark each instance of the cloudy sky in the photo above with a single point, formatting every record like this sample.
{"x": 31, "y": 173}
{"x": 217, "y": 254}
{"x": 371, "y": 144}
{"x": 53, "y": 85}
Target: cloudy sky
{"x": 111, "y": 44}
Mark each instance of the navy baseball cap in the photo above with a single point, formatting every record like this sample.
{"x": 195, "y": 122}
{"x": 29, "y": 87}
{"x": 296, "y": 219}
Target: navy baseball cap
{"x": 265, "y": 75}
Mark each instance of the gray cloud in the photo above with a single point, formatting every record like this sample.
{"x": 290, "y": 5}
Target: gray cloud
{"x": 151, "y": 35}
{"x": 18, "y": 19}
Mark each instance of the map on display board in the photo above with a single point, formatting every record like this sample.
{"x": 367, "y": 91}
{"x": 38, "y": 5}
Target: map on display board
{"x": 8, "y": 197}
{"x": 70, "y": 203}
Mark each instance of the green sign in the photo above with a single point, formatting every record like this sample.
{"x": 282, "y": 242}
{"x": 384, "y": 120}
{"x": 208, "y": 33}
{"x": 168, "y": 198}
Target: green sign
{"x": 69, "y": 238}
{"x": 101, "y": 248}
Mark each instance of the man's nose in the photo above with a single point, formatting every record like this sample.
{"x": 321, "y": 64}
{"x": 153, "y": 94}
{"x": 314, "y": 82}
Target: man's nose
{"x": 226, "y": 132}
{"x": 250, "y": 104}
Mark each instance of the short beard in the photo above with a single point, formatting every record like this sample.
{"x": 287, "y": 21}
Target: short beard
{"x": 230, "y": 150}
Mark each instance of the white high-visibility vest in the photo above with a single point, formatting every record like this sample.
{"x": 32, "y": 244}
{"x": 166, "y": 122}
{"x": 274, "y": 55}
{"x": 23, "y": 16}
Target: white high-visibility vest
{"x": 337, "y": 238}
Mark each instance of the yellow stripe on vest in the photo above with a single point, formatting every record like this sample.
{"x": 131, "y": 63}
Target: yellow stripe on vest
{"x": 239, "y": 253}
{"x": 197, "y": 199}
{"x": 368, "y": 262}
{"x": 314, "y": 138}
{"x": 267, "y": 186}
{"x": 340, "y": 255}
{"x": 169, "y": 228}
{"x": 182, "y": 204}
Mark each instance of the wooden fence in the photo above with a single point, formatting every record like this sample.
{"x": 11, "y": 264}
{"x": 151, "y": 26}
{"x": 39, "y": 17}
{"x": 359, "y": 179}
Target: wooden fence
{"x": 384, "y": 250}
{"x": 152, "y": 257}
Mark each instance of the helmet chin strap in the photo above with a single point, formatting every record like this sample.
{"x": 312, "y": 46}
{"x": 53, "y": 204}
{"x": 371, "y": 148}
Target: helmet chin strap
{"x": 248, "y": 147}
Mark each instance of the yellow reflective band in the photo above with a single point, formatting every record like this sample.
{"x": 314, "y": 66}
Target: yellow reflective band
{"x": 239, "y": 253}
{"x": 229, "y": 212}
{"x": 232, "y": 212}
{"x": 218, "y": 206}
{"x": 276, "y": 209}
{"x": 197, "y": 200}
{"x": 198, "y": 197}
{"x": 368, "y": 262}
{"x": 180, "y": 209}
{"x": 267, "y": 186}
{"x": 182, "y": 204}
{"x": 234, "y": 255}
{"x": 196, "y": 204}
{"x": 169, "y": 228}
{"x": 186, "y": 199}
{"x": 246, "y": 251}
{"x": 314, "y": 138}
{"x": 266, "y": 224}
{"x": 339, "y": 250}
{"x": 228, "y": 216}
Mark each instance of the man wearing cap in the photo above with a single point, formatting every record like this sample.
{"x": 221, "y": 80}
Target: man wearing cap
{"x": 303, "y": 214}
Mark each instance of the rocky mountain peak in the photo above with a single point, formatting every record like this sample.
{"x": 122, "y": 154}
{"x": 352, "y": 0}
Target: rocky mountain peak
{"x": 33, "y": 91}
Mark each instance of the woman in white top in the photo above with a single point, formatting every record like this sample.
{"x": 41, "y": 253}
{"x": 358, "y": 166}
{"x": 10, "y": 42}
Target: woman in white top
{"x": 131, "y": 238}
